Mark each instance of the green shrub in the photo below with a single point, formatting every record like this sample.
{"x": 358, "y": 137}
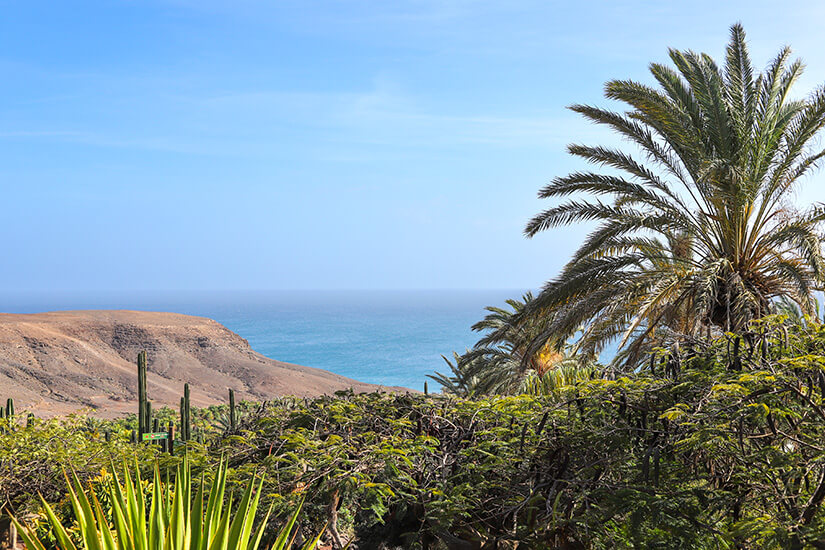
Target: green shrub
{"x": 713, "y": 445}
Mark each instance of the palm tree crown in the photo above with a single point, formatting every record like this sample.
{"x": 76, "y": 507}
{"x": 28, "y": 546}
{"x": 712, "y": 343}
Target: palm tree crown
{"x": 695, "y": 230}
{"x": 504, "y": 361}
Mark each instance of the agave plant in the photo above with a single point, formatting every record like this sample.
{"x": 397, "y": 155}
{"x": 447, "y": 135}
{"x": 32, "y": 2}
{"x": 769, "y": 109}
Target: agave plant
{"x": 223, "y": 422}
{"x": 173, "y": 520}
{"x": 698, "y": 232}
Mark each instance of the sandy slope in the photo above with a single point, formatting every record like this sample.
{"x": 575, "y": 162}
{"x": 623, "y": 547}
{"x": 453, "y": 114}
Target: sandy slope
{"x": 55, "y": 363}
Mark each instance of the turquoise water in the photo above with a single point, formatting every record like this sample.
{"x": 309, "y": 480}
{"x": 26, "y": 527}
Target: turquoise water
{"x": 383, "y": 337}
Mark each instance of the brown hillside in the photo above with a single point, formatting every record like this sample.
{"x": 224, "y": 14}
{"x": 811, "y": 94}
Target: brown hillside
{"x": 56, "y": 363}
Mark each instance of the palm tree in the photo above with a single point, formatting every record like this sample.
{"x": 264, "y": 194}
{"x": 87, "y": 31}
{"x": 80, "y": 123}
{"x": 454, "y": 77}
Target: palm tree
{"x": 795, "y": 315}
{"x": 696, "y": 231}
{"x": 504, "y": 360}
{"x": 461, "y": 381}
{"x": 567, "y": 373}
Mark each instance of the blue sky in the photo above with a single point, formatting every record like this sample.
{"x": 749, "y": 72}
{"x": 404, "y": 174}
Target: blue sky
{"x": 276, "y": 145}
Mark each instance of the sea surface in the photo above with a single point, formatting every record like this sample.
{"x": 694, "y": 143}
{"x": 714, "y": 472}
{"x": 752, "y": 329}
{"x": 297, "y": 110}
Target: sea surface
{"x": 384, "y": 337}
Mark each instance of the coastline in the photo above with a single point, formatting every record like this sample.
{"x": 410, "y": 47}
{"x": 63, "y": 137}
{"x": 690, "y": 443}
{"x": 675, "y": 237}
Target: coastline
{"x": 59, "y": 362}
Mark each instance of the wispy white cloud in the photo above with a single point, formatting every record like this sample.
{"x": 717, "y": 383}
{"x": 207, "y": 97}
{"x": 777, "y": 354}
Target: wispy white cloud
{"x": 251, "y": 123}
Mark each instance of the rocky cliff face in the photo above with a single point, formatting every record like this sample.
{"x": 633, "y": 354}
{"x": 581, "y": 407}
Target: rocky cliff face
{"x": 56, "y": 363}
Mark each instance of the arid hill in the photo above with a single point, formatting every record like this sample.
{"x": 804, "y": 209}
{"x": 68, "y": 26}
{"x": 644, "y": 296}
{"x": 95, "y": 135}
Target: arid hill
{"x": 56, "y": 363}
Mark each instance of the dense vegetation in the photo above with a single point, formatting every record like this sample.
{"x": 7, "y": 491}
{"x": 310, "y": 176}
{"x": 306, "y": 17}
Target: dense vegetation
{"x": 718, "y": 446}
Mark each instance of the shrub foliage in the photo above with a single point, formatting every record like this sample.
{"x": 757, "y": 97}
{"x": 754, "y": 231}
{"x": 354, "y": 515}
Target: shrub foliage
{"x": 716, "y": 446}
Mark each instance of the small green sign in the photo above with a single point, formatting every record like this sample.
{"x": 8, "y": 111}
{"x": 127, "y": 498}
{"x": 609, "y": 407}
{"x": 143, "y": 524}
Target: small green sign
{"x": 155, "y": 436}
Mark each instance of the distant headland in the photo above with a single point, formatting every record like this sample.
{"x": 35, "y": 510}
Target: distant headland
{"x": 60, "y": 362}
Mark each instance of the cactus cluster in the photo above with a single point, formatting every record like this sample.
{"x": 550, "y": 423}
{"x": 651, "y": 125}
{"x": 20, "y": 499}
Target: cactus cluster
{"x": 146, "y": 424}
{"x": 8, "y": 412}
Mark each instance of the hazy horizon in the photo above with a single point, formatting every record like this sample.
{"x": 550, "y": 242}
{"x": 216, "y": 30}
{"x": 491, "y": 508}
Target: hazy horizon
{"x": 382, "y": 337}
{"x": 181, "y": 301}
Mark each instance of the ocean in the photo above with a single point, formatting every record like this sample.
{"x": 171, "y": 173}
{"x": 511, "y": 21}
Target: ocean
{"x": 383, "y": 337}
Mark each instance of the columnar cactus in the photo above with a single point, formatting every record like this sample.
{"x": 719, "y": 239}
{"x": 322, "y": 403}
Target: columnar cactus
{"x": 170, "y": 439}
{"x": 143, "y": 421}
{"x": 8, "y": 413}
{"x": 182, "y": 418}
{"x": 186, "y": 419}
{"x": 147, "y": 415}
{"x": 232, "y": 417}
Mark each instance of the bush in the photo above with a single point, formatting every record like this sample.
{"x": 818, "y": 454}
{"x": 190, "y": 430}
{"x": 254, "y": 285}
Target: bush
{"x": 718, "y": 445}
